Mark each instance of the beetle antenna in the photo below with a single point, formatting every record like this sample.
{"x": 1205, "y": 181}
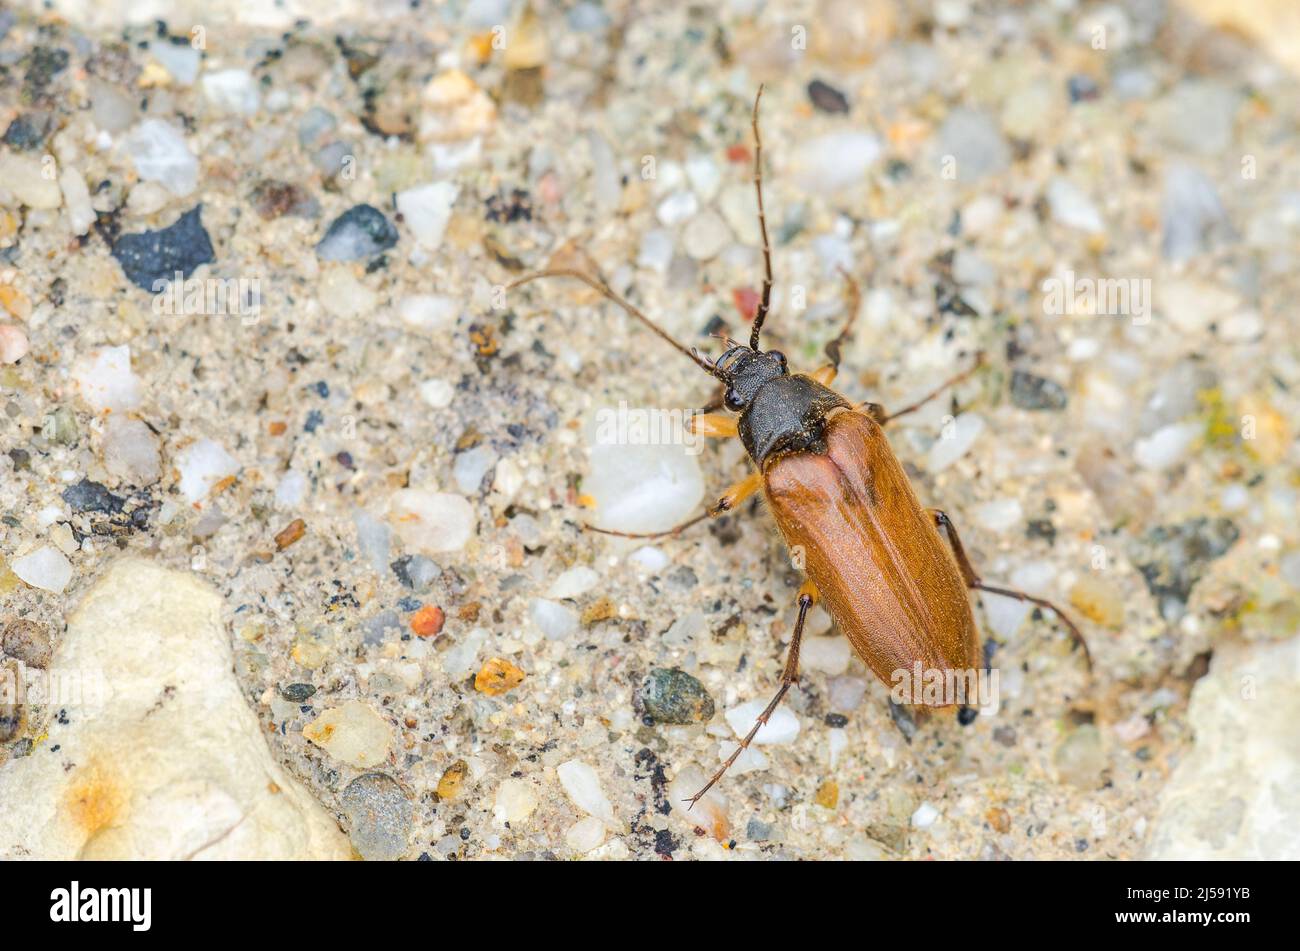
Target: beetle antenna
{"x": 761, "y": 314}
{"x": 704, "y": 363}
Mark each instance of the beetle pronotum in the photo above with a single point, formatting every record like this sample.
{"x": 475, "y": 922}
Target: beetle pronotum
{"x": 894, "y": 585}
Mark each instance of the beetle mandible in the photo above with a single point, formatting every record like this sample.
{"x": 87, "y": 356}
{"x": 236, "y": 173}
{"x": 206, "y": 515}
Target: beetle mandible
{"x": 892, "y": 575}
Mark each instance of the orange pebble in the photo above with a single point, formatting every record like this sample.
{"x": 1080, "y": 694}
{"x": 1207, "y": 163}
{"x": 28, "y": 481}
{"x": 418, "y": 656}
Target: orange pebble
{"x": 428, "y": 621}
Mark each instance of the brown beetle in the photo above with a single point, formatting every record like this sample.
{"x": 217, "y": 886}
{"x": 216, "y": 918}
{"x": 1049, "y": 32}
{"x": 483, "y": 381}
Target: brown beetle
{"x": 894, "y": 585}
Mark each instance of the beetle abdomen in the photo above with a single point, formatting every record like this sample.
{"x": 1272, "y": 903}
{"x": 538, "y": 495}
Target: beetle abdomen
{"x": 883, "y": 571}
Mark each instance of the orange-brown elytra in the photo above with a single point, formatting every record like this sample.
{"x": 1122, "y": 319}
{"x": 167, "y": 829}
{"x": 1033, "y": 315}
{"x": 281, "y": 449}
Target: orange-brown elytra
{"x": 893, "y": 575}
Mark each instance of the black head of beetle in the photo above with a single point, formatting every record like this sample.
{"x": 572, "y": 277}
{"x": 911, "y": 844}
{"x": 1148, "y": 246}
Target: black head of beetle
{"x": 778, "y": 412}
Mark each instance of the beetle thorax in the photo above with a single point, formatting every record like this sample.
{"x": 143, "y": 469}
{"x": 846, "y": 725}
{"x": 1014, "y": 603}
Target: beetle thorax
{"x": 787, "y": 414}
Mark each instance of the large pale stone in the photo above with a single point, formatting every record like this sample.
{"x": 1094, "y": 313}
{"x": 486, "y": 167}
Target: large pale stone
{"x": 1237, "y": 793}
{"x": 162, "y": 757}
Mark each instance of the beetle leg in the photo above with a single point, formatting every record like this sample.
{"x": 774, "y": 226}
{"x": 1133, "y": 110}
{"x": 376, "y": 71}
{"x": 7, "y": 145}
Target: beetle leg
{"x": 973, "y": 581}
{"x": 728, "y": 501}
{"x": 878, "y": 413}
{"x": 824, "y": 375}
{"x": 788, "y": 678}
{"x": 712, "y": 424}
{"x": 853, "y": 302}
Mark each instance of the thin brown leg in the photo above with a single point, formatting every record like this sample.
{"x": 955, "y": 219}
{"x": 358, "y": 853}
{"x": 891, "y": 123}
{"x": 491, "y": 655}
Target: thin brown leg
{"x": 761, "y": 314}
{"x": 878, "y": 413}
{"x": 728, "y": 501}
{"x": 853, "y": 298}
{"x": 972, "y": 579}
{"x": 788, "y": 677}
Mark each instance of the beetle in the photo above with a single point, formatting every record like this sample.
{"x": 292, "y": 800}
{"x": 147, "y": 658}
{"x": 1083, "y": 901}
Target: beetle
{"x": 892, "y": 574}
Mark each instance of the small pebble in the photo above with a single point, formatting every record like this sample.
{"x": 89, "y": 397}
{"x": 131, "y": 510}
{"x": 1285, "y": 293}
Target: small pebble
{"x": 515, "y": 801}
{"x": 432, "y": 522}
{"x": 151, "y": 259}
{"x": 674, "y": 696}
{"x": 582, "y": 785}
{"x": 46, "y": 568}
{"x": 13, "y": 343}
{"x": 161, "y": 155}
{"x": 827, "y": 98}
{"x": 379, "y": 817}
{"x": 427, "y": 211}
{"x": 28, "y": 642}
{"x": 105, "y": 381}
{"x": 360, "y": 232}
{"x": 554, "y": 620}
{"x": 955, "y": 441}
{"x": 1072, "y": 207}
{"x": 232, "y": 90}
{"x": 428, "y": 621}
{"x": 290, "y": 534}
{"x": 204, "y": 464}
{"x": 497, "y": 676}
{"x": 1032, "y": 392}
{"x": 352, "y": 733}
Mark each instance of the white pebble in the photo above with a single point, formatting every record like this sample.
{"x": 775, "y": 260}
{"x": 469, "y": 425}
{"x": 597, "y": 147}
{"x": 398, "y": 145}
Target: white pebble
{"x": 642, "y": 487}
{"x": 650, "y": 558}
{"x": 437, "y": 393}
{"x": 131, "y": 451}
{"x": 998, "y": 515}
{"x": 432, "y": 522}
{"x": 181, "y": 60}
{"x": 782, "y": 728}
{"x": 1072, "y": 207}
{"x": 342, "y": 295}
{"x": 13, "y": 343}
{"x": 555, "y": 621}
{"x": 24, "y": 177}
{"x": 232, "y": 90}
{"x": 352, "y": 733}
{"x": 829, "y": 164}
{"x": 290, "y": 490}
{"x": 202, "y": 465}
{"x": 573, "y": 583}
{"x": 656, "y": 250}
{"x": 76, "y": 199}
{"x": 1166, "y": 447}
{"x": 830, "y": 655}
{"x": 705, "y": 236}
{"x": 161, "y": 155}
{"x": 955, "y": 439}
{"x": 1003, "y": 614}
{"x": 582, "y": 786}
{"x": 105, "y": 380}
{"x": 705, "y": 176}
{"x": 429, "y": 312}
{"x": 585, "y": 835}
{"x": 45, "y": 568}
{"x": 515, "y": 801}
{"x": 427, "y": 211}
{"x": 677, "y": 208}
{"x": 925, "y": 816}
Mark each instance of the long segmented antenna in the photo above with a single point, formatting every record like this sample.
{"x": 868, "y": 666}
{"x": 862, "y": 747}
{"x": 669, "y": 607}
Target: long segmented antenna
{"x": 761, "y": 314}
{"x": 598, "y": 285}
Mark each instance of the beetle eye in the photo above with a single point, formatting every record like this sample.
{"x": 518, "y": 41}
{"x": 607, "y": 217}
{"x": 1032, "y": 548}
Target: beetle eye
{"x": 733, "y": 400}
{"x": 779, "y": 357}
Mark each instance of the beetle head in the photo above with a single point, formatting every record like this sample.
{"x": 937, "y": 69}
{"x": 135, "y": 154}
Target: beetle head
{"x": 745, "y": 371}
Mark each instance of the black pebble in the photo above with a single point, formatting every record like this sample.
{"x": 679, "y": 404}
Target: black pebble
{"x": 150, "y": 257}
{"x": 87, "y": 496}
{"x": 827, "y": 98}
